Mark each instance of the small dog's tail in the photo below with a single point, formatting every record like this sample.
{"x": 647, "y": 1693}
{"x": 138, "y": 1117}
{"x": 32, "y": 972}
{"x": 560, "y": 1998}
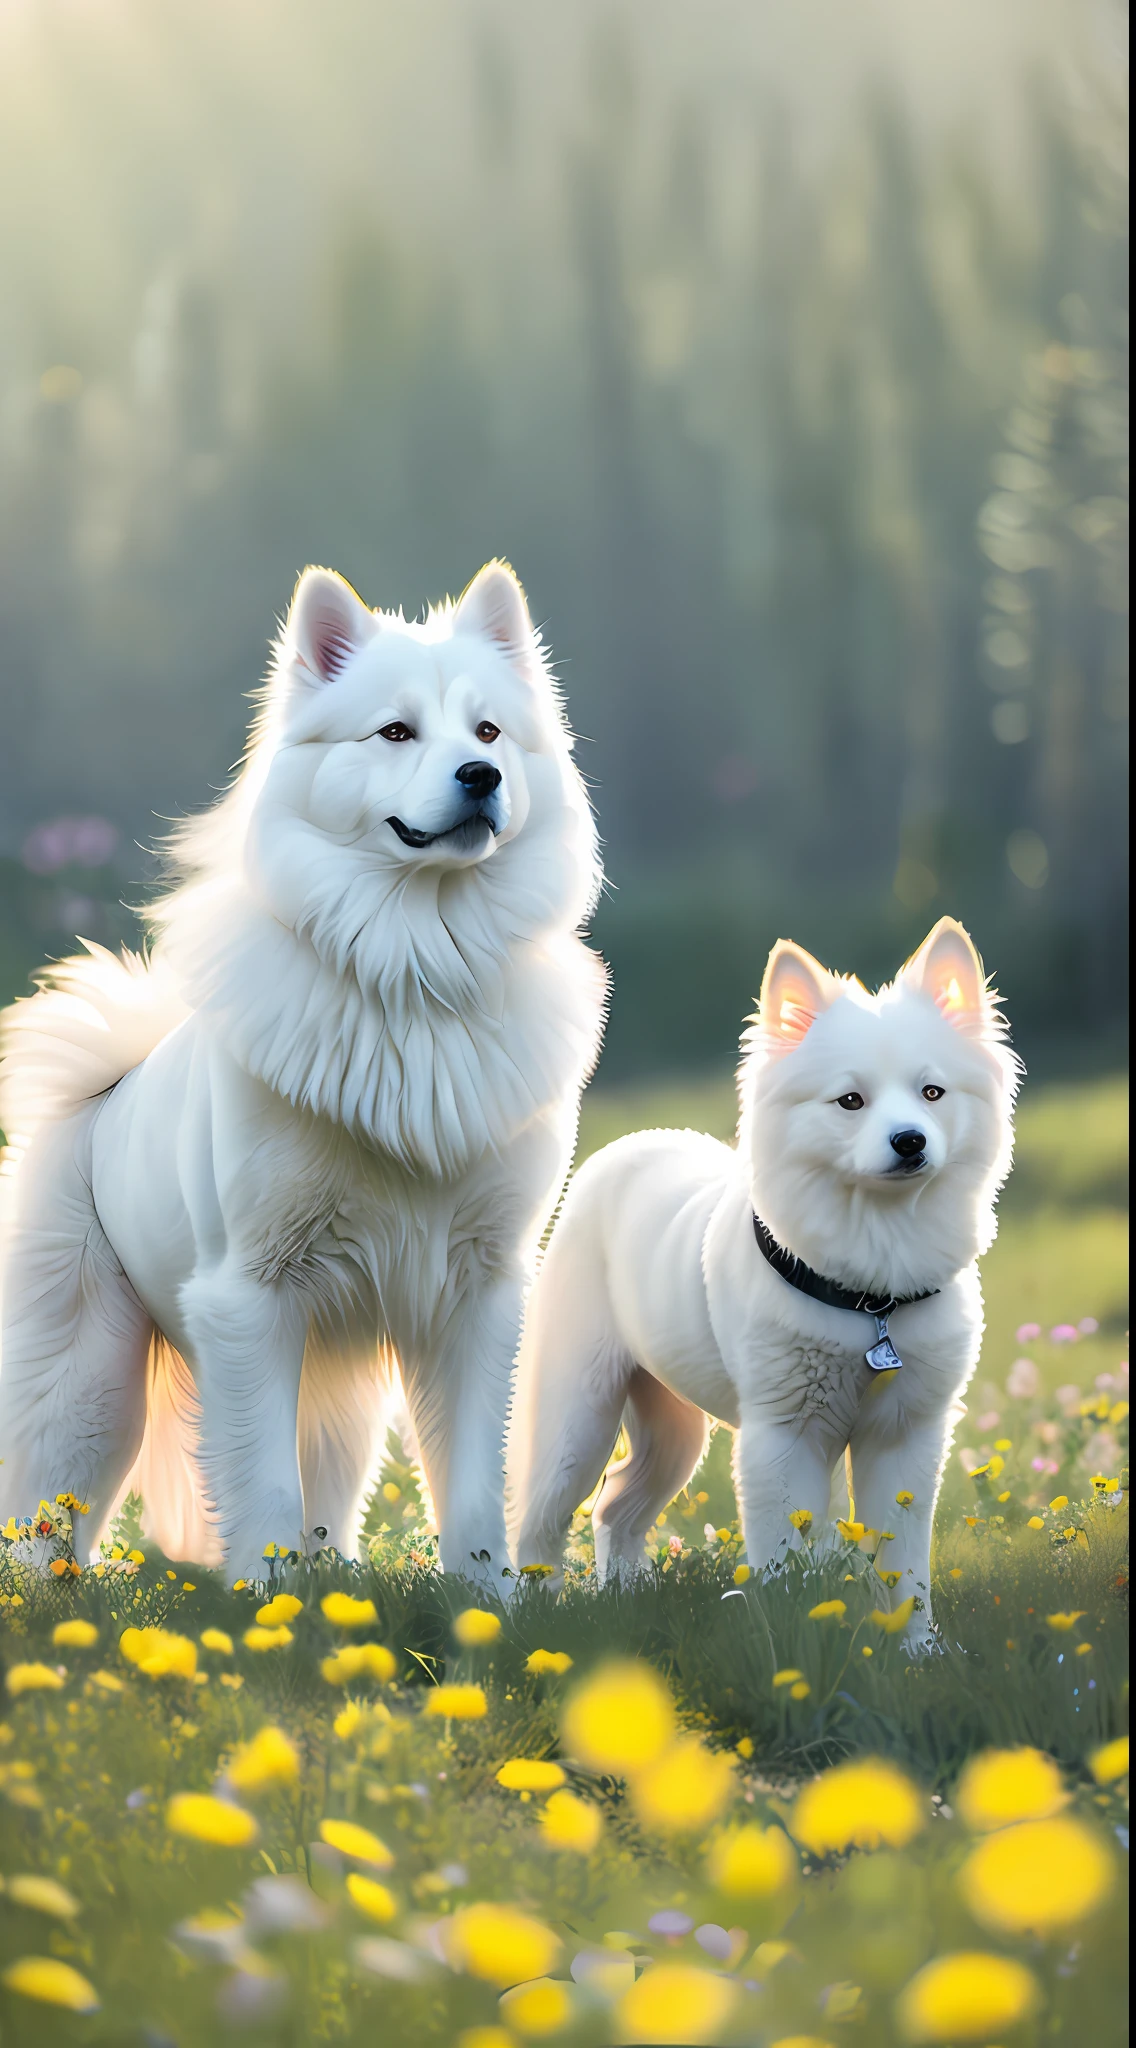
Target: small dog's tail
{"x": 91, "y": 1019}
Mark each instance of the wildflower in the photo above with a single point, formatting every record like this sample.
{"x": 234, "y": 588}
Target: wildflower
{"x": 724, "y": 1536}
{"x": 858, "y": 1805}
{"x": 741, "y": 1574}
{"x": 106, "y": 1681}
{"x": 801, "y": 1690}
{"x": 284, "y": 1607}
{"x": 890, "y": 1579}
{"x": 356, "y": 1842}
{"x": 135, "y": 1557}
{"x": 676, "y": 2002}
{"x": 33, "y": 1678}
{"x": 64, "y": 1567}
{"x": 828, "y": 1610}
{"x": 343, "y": 1611}
{"x": 1037, "y": 1876}
{"x": 1023, "y": 1380}
{"x": 74, "y": 1635}
{"x": 684, "y": 1789}
{"x": 476, "y": 1627}
{"x": 745, "y": 1748}
{"x": 1062, "y": 1623}
{"x": 904, "y": 1500}
{"x": 202, "y": 1818}
{"x": 232, "y": 1679}
{"x": 542, "y": 2007}
{"x": 896, "y": 1619}
{"x": 51, "y": 1982}
{"x": 457, "y": 1702}
{"x": 620, "y": 1719}
{"x": 501, "y": 1945}
{"x": 1035, "y": 1522}
{"x": 788, "y": 1677}
{"x": 752, "y": 1862}
{"x": 531, "y": 1774}
{"x": 967, "y": 1996}
{"x": 269, "y": 1759}
{"x": 1110, "y": 1762}
{"x": 540, "y": 1661}
{"x": 536, "y": 1571}
{"x": 265, "y": 1638}
{"x": 571, "y": 1823}
{"x": 1004, "y": 1785}
{"x": 370, "y": 1897}
{"x": 852, "y": 1532}
{"x": 216, "y": 1639}
{"x": 485, "y": 2037}
{"x": 802, "y": 1519}
{"x": 359, "y": 1660}
{"x": 159, "y": 1652}
{"x": 1060, "y": 1500}
{"x": 42, "y": 1895}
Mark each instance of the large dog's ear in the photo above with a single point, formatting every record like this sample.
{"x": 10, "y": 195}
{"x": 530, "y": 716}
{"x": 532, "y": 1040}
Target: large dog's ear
{"x": 947, "y": 968}
{"x": 327, "y": 623}
{"x": 494, "y": 606}
{"x": 795, "y": 989}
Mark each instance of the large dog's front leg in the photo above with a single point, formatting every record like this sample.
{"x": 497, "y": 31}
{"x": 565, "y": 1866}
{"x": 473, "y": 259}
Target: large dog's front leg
{"x": 896, "y": 1468}
{"x": 458, "y": 1382}
{"x": 247, "y": 1347}
{"x": 779, "y": 1468}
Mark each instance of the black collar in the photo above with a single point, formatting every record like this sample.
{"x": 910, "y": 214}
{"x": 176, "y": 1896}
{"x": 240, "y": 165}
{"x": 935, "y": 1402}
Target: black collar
{"x": 802, "y": 1277}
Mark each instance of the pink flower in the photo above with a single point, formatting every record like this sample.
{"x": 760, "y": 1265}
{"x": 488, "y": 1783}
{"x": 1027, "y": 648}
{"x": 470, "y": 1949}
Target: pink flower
{"x": 990, "y": 1420}
{"x": 1023, "y": 1379}
{"x": 1064, "y": 1333}
{"x": 1088, "y": 1326}
{"x": 1026, "y": 1332}
{"x": 1045, "y": 1465}
{"x": 675, "y": 1546}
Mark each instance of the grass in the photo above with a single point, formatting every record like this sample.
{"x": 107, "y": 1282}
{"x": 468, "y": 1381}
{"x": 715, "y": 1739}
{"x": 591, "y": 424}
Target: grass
{"x": 1033, "y": 1625}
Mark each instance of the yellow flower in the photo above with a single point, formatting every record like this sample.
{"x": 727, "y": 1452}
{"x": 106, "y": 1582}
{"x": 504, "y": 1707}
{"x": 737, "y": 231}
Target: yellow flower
{"x": 283, "y": 1607}
{"x": 858, "y": 1805}
{"x": 135, "y": 1557}
{"x": 745, "y": 1747}
{"x": 74, "y": 1635}
{"x": 1111, "y": 1762}
{"x": 1035, "y": 1522}
{"x": 1037, "y": 1876}
{"x": 51, "y": 1982}
{"x": 457, "y": 1703}
{"x": 359, "y": 1660}
{"x": 537, "y": 2009}
{"x": 370, "y": 1897}
{"x": 33, "y": 1678}
{"x": 904, "y": 1500}
{"x": 852, "y": 1532}
{"x": 358, "y": 1843}
{"x": 890, "y": 1579}
{"x": 752, "y": 1862}
{"x": 802, "y": 1519}
{"x": 620, "y": 1719}
{"x": 345, "y": 1612}
{"x": 232, "y": 1679}
{"x": 967, "y": 1997}
{"x": 42, "y": 1895}
{"x": 1064, "y": 1622}
{"x": 159, "y": 1652}
{"x": 895, "y": 1620}
{"x": 741, "y": 1574}
{"x": 675, "y": 2002}
{"x": 1004, "y": 1785}
{"x": 788, "y": 1677}
{"x": 684, "y": 1789}
{"x": 205, "y": 1819}
{"x": 1059, "y": 1501}
{"x": 485, "y": 2037}
{"x": 540, "y": 1661}
{"x": 828, "y": 1610}
{"x": 801, "y": 1690}
{"x": 216, "y": 1639}
{"x": 266, "y": 1638}
{"x": 391, "y": 1491}
{"x": 501, "y": 1945}
{"x": 106, "y": 1681}
{"x": 476, "y": 1627}
{"x": 269, "y": 1759}
{"x": 531, "y": 1774}
{"x": 571, "y": 1823}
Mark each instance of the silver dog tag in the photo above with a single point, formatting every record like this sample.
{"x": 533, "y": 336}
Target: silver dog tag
{"x": 882, "y": 1355}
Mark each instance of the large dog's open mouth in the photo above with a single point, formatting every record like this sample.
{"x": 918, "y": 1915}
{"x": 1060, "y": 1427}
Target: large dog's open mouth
{"x": 904, "y": 1169}
{"x": 465, "y": 828}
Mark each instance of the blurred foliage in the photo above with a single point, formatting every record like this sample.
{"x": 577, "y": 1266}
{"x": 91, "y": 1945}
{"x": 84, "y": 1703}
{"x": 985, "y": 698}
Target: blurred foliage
{"x": 803, "y": 423}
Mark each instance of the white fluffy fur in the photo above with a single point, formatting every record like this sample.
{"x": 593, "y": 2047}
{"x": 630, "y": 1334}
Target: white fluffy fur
{"x": 317, "y": 1134}
{"x": 654, "y": 1304}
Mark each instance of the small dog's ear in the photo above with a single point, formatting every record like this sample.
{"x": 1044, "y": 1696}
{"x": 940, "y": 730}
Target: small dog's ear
{"x": 494, "y": 605}
{"x": 794, "y": 990}
{"x": 947, "y": 968}
{"x": 327, "y": 623}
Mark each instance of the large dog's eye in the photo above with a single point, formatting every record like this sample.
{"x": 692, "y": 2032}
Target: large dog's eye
{"x": 931, "y": 1093}
{"x": 396, "y": 731}
{"x": 487, "y": 732}
{"x": 850, "y": 1101}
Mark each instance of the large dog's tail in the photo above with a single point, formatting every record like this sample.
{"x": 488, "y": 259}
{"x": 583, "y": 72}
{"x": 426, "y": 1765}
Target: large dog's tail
{"x": 91, "y": 1019}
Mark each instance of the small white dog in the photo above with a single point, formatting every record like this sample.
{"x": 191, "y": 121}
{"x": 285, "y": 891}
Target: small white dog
{"x": 318, "y": 1134}
{"x": 815, "y": 1288}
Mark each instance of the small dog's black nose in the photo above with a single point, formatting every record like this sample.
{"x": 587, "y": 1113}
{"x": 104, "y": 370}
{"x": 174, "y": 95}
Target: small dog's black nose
{"x": 907, "y": 1143}
{"x": 478, "y": 777}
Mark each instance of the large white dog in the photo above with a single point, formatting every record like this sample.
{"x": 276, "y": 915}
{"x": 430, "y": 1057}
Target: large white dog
{"x": 686, "y": 1278}
{"x": 318, "y": 1134}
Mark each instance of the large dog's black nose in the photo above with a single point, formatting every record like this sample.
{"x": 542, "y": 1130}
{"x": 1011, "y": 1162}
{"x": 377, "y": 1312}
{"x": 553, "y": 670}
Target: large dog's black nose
{"x": 908, "y": 1143}
{"x": 478, "y": 777}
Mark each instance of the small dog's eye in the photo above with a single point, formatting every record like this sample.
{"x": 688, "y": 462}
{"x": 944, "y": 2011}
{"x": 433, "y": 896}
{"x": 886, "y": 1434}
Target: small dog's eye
{"x": 850, "y": 1101}
{"x": 487, "y": 731}
{"x": 396, "y": 731}
{"x": 933, "y": 1094}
